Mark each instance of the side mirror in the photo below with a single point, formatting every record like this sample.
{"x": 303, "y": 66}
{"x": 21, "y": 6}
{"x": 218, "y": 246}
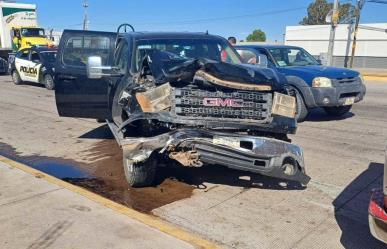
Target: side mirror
{"x": 94, "y": 67}
{"x": 262, "y": 61}
{"x": 319, "y": 61}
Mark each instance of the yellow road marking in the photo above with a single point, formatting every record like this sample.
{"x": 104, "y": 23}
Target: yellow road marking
{"x": 131, "y": 213}
{"x": 375, "y": 78}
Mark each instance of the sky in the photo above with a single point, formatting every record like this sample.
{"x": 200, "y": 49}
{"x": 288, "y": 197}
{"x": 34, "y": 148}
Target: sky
{"x": 222, "y": 17}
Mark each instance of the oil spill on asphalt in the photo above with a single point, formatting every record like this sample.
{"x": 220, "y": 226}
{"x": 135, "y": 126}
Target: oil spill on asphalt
{"x": 109, "y": 180}
{"x": 105, "y": 176}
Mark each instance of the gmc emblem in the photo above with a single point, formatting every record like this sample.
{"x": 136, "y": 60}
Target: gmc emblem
{"x": 223, "y": 102}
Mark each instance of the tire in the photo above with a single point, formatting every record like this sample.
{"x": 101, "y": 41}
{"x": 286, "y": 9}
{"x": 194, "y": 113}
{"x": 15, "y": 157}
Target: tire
{"x": 301, "y": 109}
{"x": 140, "y": 174}
{"x": 48, "y": 82}
{"x": 16, "y": 78}
{"x": 338, "y": 111}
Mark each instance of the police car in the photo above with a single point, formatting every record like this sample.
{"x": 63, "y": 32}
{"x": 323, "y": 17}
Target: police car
{"x": 35, "y": 64}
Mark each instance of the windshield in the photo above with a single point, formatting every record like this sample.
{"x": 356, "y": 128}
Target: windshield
{"x": 49, "y": 56}
{"x": 32, "y": 32}
{"x": 184, "y": 49}
{"x": 287, "y": 57}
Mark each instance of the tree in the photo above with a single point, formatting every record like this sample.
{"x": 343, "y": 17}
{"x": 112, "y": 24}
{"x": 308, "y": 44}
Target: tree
{"x": 257, "y": 36}
{"x": 319, "y": 9}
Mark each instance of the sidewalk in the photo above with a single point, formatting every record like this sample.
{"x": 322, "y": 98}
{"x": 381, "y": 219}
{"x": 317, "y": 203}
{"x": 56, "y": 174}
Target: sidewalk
{"x": 36, "y": 213}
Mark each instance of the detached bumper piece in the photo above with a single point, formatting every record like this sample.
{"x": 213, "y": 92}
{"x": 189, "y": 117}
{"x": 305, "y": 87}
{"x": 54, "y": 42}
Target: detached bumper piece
{"x": 193, "y": 147}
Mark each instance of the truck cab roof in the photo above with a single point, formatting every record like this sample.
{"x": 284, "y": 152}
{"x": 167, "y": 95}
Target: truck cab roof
{"x": 154, "y": 35}
{"x": 266, "y": 46}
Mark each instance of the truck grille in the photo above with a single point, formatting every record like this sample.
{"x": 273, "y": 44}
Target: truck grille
{"x": 229, "y": 105}
{"x": 346, "y": 80}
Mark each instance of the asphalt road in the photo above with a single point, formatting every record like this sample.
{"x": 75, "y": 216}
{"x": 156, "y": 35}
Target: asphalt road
{"x": 237, "y": 210}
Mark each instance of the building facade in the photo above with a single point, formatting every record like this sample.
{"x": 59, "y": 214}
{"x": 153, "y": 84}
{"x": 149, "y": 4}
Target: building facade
{"x": 371, "y": 49}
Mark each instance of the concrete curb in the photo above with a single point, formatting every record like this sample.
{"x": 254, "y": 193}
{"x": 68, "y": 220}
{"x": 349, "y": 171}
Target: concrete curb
{"x": 149, "y": 220}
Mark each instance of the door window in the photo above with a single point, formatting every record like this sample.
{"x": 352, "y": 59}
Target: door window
{"x": 35, "y": 57}
{"x": 79, "y": 48}
{"x": 23, "y": 54}
{"x": 122, "y": 57}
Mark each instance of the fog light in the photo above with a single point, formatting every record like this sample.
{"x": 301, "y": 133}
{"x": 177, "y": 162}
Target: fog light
{"x": 326, "y": 100}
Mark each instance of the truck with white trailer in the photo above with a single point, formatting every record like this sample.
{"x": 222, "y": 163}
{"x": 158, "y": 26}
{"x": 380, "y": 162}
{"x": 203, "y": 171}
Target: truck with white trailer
{"x": 19, "y": 29}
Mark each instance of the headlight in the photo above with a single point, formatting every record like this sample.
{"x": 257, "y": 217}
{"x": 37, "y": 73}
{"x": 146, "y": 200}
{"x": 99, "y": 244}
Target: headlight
{"x": 284, "y": 105}
{"x": 321, "y": 82}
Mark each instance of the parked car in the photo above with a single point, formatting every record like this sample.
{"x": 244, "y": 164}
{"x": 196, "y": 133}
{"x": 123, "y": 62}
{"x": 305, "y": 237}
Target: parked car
{"x": 377, "y": 215}
{"x": 179, "y": 96}
{"x": 334, "y": 89}
{"x": 34, "y": 64}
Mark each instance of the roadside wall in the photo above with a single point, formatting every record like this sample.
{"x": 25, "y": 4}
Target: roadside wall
{"x": 371, "y": 50}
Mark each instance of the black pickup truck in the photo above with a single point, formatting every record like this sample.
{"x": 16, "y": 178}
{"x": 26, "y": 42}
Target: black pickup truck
{"x": 179, "y": 96}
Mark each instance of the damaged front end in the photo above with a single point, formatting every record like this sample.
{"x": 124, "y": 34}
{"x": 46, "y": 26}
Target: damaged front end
{"x": 205, "y": 112}
{"x": 193, "y": 147}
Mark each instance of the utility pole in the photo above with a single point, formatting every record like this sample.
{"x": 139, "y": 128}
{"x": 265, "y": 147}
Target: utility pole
{"x": 85, "y": 5}
{"x": 334, "y": 20}
{"x": 349, "y": 39}
{"x": 360, "y": 4}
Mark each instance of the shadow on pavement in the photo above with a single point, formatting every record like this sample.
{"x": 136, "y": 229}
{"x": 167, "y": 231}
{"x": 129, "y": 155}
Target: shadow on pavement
{"x": 214, "y": 174}
{"x": 319, "y": 115}
{"x": 27, "y": 83}
{"x": 102, "y": 132}
{"x": 351, "y": 209}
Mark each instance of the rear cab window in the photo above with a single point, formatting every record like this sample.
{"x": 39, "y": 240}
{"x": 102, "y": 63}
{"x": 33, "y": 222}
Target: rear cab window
{"x": 212, "y": 49}
{"x": 79, "y": 47}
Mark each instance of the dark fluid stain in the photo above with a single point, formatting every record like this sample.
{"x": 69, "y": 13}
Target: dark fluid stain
{"x": 105, "y": 176}
{"x": 109, "y": 180}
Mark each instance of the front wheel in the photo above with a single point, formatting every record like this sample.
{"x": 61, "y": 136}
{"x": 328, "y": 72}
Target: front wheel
{"x": 48, "y": 82}
{"x": 140, "y": 174}
{"x": 338, "y": 111}
{"x": 301, "y": 109}
{"x": 16, "y": 78}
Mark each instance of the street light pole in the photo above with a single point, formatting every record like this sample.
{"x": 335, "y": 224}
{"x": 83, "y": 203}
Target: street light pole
{"x": 85, "y": 5}
{"x": 360, "y": 4}
{"x": 334, "y": 21}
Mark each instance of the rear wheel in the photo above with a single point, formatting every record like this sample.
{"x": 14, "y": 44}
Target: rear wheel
{"x": 338, "y": 111}
{"x": 302, "y": 110}
{"x": 16, "y": 78}
{"x": 140, "y": 174}
{"x": 48, "y": 82}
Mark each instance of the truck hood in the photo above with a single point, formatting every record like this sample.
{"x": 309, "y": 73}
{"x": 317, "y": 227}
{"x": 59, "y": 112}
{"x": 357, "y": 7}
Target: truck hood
{"x": 167, "y": 68}
{"x": 308, "y": 73}
{"x": 37, "y": 41}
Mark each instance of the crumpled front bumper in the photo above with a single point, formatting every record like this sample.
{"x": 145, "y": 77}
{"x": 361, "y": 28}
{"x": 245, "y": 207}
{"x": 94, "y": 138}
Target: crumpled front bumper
{"x": 261, "y": 155}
